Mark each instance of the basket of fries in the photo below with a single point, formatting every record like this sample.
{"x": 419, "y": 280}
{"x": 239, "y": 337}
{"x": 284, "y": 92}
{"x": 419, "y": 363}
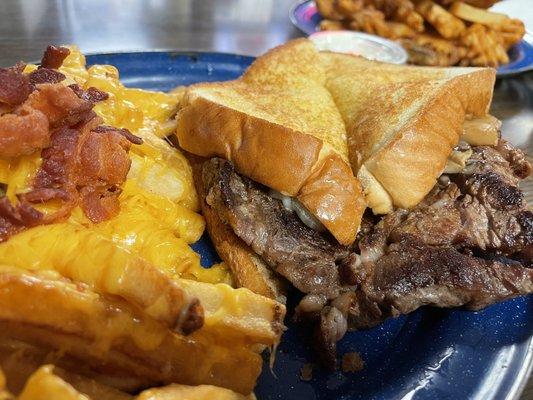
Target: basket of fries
{"x": 433, "y": 32}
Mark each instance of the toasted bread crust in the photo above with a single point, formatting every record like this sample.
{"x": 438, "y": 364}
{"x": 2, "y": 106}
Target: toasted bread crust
{"x": 274, "y": 155}
{"x": 247, "y": 268}
{"x": 327, "y": 192}
{"x": 286, "y": 159}
{"x": 417, "y": 154}
{"x": 403, "y": 122}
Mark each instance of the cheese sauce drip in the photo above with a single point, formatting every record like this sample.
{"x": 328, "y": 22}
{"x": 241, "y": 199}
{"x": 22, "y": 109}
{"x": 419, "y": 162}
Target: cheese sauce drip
{"x": 158, "y": 216}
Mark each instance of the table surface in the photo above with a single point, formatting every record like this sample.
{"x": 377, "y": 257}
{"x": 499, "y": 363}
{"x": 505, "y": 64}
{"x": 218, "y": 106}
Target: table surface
{"x": 234, "y": 26}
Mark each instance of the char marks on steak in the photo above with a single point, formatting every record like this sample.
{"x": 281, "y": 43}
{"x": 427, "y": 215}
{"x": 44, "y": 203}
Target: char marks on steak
{"x": 302, "y": 255}
{"x": 462, "y": 245}
{"x": 468, "y": 243}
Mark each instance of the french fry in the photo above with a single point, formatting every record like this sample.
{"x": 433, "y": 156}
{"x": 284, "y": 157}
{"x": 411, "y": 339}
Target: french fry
{"x": 110, "y": 336}
{"x": 109, "y": 269}
{"x": 484, "y": 47}
{"x": 237, "y": 315}
{"x": 43, "y": 384}
{"x": 331, "y": 25}
{"x": 19, "y": 360}
{"x": 49, "y": 382}
{"x": 371, "y": 21}
{"x": 201, "y": 392}
{"x": 328, "y": 10}
{"x": 400, "y": 30}
{"x": 349, "y": 7}
{"x": 444, "y": 22}
{"x": 432, "y": 50}
{"x": 478, "y": 15}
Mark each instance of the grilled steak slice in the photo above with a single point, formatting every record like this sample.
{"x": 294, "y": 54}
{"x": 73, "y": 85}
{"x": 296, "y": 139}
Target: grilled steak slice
{"x": 307, "y": 258}
{"x": 469, "y": 243}
{"x": 482, "y": 208}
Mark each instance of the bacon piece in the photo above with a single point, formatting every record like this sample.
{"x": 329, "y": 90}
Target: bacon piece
{"x": 53, "y": 57}
{"x": 42, "y": 195}
{"x": 60, "y": 104}
{"x": 14, "y": 85}
{"x": 92, "y": 94}
{"x": 45, "y": 75}
{"x": 105, "y": 164}
{"x": 23, "y": 132}
{"x": 15, "y": 219}
{"x": 100, "y": 204}
{"x": 123, "y": 131}
{"x": 104, "y": 158}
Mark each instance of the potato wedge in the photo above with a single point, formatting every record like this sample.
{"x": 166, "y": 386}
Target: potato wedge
{"x": 110, "y": 336}
{"x": 109, "y": 269}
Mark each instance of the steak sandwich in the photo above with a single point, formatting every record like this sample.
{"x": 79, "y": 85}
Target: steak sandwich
{"x": 373, "y": 189}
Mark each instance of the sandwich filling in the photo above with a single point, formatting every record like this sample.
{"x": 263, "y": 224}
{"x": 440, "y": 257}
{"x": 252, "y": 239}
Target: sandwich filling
{"x": 468, "y": 243}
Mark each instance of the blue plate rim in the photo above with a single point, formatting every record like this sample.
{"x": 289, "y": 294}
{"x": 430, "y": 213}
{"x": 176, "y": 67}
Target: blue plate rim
{"x": 500, "y": 73}
{"x": 525, "y": 371}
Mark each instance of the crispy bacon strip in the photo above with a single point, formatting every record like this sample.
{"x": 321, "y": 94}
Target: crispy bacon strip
{"x": 53, "y": 57}
{"x": 15, "y": 219}
{"x": 124, "y": 132}
{"x": 92, "y": 94}
{"x": 60, "y": 104}
{"x": 45, "y": 75}
{"x": 14, "y": 85}
{"x": 23, "y": 132}
{"x": 83, "y": 163}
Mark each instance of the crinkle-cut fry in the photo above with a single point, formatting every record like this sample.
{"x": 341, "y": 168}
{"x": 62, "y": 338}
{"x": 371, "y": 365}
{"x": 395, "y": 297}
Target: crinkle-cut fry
{"x": 510, "y": 33}
{"x": 371, "y": 21}
{"x": 109, "y": 335}
{"x": 400, "y": 30}
{"x": 183, "y": 392}
{"x": 445, "y": 23}
{"x": 328, "y": 10}
{"x": 484, "y": 47}
{"x": 237, "y": 314}
{"x": 43, "y": 384}
{"x": 510, "y": 30}
{"x": 331, "y": 25}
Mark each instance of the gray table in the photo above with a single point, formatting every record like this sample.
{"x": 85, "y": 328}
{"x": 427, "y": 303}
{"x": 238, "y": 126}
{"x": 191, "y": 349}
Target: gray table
{"x": 238, "y": 26}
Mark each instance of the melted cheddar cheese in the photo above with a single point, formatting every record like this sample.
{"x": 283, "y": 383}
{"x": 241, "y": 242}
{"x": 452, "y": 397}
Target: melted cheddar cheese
{"x": 158, "y": 216}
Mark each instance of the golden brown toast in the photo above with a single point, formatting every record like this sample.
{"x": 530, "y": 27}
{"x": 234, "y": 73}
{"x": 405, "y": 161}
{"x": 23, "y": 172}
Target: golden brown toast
{"x": 279, "y": 126}
{"x": 402, "y": 122}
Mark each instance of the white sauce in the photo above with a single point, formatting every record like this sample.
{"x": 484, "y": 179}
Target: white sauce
{"x": 292, "y": 204}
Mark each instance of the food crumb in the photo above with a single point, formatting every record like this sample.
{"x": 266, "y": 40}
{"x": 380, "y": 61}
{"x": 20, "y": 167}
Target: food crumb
{"x": 306, "y": 373}
{"x": 352, "y": 362}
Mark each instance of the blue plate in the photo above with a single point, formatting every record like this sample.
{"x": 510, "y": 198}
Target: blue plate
{"x": 305, "y": 16}
{"x": 430, "y": 354}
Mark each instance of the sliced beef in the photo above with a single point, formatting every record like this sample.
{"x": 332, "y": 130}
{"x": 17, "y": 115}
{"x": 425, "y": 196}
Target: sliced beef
{"x": 481, "y": 208}
{"x": 307, "y": 258}
{"x": 469, "y": 243}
